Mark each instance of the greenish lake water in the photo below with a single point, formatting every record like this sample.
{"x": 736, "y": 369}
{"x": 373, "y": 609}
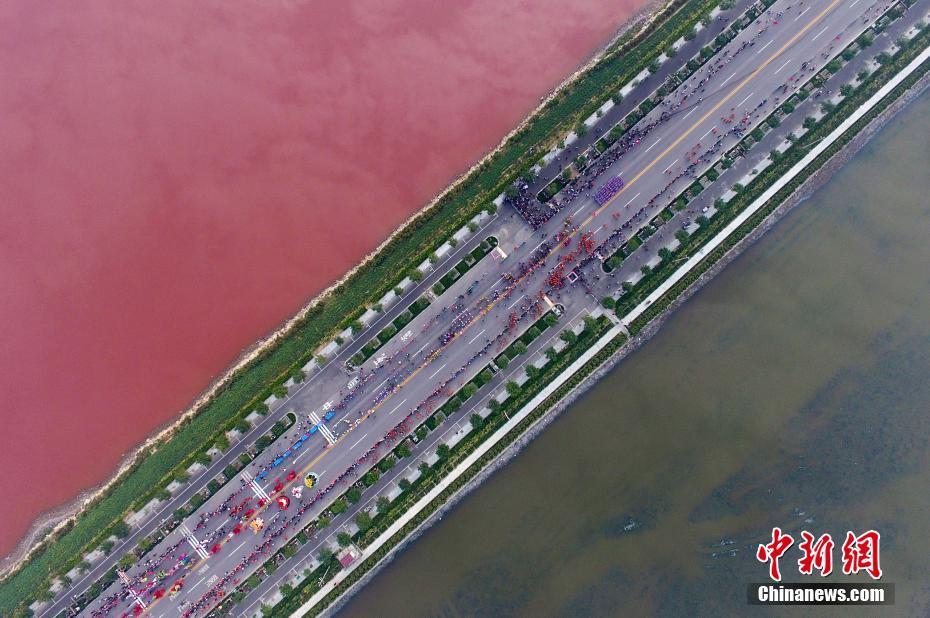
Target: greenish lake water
{"x": 794, "y": 387}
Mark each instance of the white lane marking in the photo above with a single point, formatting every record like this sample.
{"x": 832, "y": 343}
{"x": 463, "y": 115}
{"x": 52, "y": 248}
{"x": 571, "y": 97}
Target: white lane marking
{"x": 746, "y": 99}
{"x": 693, "y": 109}
{"x": 655, "y": 143}
{"x": 728, "y": 79}
{"x": 358, "y": 441}
{"x": 801, "y": 14}
{"x": 574, "y": 214}
{"x": 135, "y": 595}
{"x": 631, "y": 199}
{"x": 323, "y": 429}
{"x": 818, "y": 35}
{"x": 782, "y": 66}
{"x": 317, "y": 421}
{"x": 397, "y": 407}
{"x": 762, "y": 49}
{"x": 330, "y": 436}
{"x": 476, "y": 336}
{"x": 670, "y": 166}
{"x": 199, "y": 582}
{"x": 516, "y": 301}
{"x": 437, "y": 371}
{"x": 421, "y": 349}
{"x": 198, "y": 547}
{"x": 705, "y": 135}
{"x": 854, "y": 4}
{"x": 537, "y": 246}
{"x": 259, "y": 491}
{"x": 193, "y": 540}
{"x": 377, "y": 388}
{"x": 805, "y": 11}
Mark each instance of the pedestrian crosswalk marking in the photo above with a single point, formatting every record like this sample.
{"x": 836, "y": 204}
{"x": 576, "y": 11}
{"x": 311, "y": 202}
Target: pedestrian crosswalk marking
{"x": 324, "y": 430}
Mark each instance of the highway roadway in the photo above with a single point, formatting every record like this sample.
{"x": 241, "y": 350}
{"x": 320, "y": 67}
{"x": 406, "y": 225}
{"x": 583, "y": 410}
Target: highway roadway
{"x": 372, "y": 408}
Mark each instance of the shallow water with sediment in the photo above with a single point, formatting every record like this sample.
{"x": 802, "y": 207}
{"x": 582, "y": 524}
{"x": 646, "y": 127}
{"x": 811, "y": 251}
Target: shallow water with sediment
{"x": 791, "y": 391}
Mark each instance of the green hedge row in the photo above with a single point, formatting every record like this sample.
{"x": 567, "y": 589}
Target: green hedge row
{"x": 765, "y": 179}
{"x": 300, "y": 595}
{"x": 292, "y": 602}
{"x": 434, "y": 474}
{"x": 251, "y": 385}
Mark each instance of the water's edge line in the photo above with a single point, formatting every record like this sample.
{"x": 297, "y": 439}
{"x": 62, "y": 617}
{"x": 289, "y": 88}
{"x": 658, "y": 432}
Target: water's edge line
{"x": 53, "y": 520}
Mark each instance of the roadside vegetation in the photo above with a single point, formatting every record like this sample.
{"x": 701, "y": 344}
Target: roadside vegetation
{"x": 817, "y": 130}
{"x": 248, "y": 388}
{"x": 121, "y": 530}
{"x": 265, "y": 376}
{"x": 448, "y": 458}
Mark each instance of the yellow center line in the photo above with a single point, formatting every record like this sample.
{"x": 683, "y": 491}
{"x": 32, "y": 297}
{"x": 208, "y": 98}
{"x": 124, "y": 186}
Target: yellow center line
{"x": 571, "y": 234}
{"x": 713, "y": 110}
{"x": 517, "y": 282}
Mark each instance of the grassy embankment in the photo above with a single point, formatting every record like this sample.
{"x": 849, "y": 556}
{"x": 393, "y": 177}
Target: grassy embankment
{"x": 380, "y": 523}
{"x": 449, "y": 459}
{"x": 249, "y": 387}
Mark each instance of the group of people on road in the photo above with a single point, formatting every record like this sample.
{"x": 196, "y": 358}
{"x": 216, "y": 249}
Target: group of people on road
{"x": 154, "y": 572}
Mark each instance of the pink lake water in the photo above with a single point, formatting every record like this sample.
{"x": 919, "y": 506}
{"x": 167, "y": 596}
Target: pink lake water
{"x": 179, "y": 177}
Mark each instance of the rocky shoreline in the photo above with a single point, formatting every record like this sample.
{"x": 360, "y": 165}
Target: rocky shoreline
{"x": 812, "y": 184}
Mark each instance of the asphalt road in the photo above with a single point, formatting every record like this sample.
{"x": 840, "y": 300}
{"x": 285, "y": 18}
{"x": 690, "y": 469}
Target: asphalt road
{"x": 461, "y": 331}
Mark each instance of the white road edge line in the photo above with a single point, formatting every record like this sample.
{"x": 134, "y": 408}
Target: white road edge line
{"x": 609, "y": 335}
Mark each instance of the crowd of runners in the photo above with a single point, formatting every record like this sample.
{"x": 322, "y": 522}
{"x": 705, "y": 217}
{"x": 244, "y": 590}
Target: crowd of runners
{"x": 534, "y": 212}
{"x": 154, "y": 575}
